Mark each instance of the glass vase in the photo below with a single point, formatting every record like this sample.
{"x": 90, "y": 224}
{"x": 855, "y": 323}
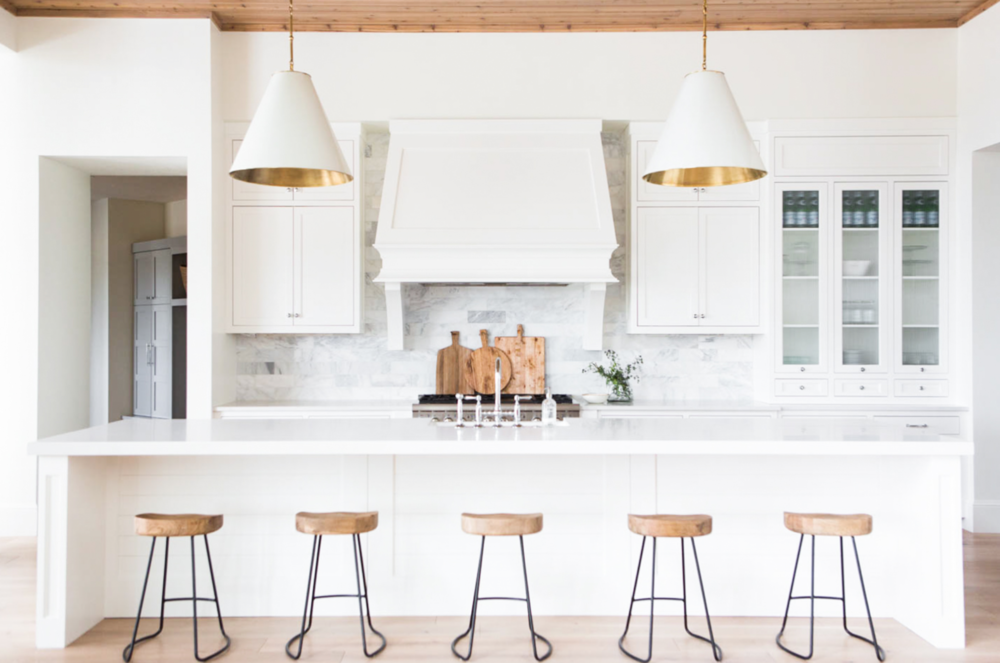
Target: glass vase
{"x": 620, "y": 393}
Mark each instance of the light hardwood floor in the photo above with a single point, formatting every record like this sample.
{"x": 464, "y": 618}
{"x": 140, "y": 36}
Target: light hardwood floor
{"x": 576, "y": 639}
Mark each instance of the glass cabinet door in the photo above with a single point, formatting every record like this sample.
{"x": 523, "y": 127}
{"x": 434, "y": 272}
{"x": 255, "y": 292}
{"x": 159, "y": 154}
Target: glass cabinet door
{"x": 802, "y": 286}
{"x": 920, "y": 262}
{"x": 861, "y": 268}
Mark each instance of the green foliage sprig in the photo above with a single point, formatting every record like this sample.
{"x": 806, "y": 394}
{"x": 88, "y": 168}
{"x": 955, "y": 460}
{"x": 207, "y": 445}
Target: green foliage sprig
{"x": 616, "y": 375}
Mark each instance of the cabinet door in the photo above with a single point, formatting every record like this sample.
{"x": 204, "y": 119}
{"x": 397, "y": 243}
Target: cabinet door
{"x": 667, "y": 267}
{"x": 244, "y": 191}
{"x": 263, "y": 259}
{"x": 862, "y": 271}
{"x": 730, "y": 266}
{"x": 647, "y": 192}
{"x": 326, "y": 269}
{"x": 161, "y": 362}
{"x": 801, "y": 294}
{"x": 143, "y": 277}
{"x": 338, "y": 192}
{"x": 163, "y": 290}
{"x": 920, "y": 261}
{"x": 142, "y": 351}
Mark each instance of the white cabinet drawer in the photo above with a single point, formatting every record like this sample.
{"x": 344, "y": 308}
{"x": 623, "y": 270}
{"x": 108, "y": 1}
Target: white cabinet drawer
{"x": 801, "y": 387}
{"x": 861, "y": 388}
{"x": 908, "y": 388}
{"x": 943, "y": 425}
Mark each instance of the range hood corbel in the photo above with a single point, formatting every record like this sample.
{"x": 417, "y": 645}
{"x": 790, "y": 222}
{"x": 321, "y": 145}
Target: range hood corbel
{"x": 497, "y": 202}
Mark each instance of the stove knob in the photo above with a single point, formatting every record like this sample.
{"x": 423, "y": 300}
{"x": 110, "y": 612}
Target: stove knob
{"x": 435, "y": 420}
{"x": 536, "y": 419}
{"x": 449, "y": 420}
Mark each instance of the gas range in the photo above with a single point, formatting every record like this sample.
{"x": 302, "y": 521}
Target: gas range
{"x": 444, "y": 407}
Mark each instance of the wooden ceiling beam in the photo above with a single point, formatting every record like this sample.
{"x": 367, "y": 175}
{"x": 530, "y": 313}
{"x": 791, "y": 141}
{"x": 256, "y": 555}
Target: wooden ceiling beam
{"x": 976, "y": 11}
{"x": 9, "y": 6}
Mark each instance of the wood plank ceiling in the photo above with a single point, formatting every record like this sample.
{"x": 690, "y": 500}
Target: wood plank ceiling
{"x": 527, "y": 15}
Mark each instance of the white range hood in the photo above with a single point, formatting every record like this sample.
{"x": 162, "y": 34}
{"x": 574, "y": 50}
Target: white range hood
{"x": 514, "y": 202}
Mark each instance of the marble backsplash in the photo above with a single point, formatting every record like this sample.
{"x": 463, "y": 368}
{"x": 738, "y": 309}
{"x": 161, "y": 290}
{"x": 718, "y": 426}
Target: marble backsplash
{"x": 355, "y": 367}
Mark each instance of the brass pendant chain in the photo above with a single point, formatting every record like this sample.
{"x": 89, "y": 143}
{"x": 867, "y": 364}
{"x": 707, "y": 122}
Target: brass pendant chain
{"x": 291, "y": 37}
{"x": 704, "y": 36}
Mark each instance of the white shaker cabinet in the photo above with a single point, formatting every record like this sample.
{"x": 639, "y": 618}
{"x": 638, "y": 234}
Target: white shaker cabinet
{"x": 295, "y": 270}
{"x": 695, "y": 270}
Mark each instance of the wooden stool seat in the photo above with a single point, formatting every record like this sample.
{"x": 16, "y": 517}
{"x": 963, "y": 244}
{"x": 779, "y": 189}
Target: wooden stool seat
{"x": 186, "y": 524}
{"x": 341, "y": 522}
{"x": 663, "y": 525}
{"x": 828, "y": 524}
{"x": 501, "y": 524}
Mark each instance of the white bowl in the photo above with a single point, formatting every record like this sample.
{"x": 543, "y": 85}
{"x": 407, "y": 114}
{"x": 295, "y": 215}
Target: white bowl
{"x": 856, "y": 267}
{"x": 595, "y": 399}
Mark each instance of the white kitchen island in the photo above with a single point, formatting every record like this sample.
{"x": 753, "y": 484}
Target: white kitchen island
{"x": 585, "y": 477}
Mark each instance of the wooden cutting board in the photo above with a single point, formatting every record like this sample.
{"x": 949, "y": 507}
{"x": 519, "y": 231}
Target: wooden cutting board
{"x": 527, "y": 357}
{"x": 453, "y": 369}
{"x": 482, "y": 366}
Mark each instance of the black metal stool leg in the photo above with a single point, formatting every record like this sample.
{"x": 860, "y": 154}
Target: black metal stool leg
{"x": 127, "y": 652}
{"x": 716, "y": 649}
{"x": 360, "y": 577}
{"x": 471, "y": 631}
{"x": 194, "y": 605}
{"x": 879, "y": 652}
{"x": 531, "y": 621}
{"x": 621, "y": 643}
{"x": 310, "y": 604}
{"x": 811, "y": 597}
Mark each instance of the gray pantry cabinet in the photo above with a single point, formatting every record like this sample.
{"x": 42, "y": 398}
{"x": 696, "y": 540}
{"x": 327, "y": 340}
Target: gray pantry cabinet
{"x": 159, "y": 329}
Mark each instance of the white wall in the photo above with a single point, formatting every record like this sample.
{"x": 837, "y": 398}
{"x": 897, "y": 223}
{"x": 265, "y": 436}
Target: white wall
{"x": 612, "y": 76}
{"x": 63, "y": 299}
{"x": 99, "y": 307}
{"x": 92, "y": 87}
{"x": 978, "y": 201}
{"x": 176, "y": 222}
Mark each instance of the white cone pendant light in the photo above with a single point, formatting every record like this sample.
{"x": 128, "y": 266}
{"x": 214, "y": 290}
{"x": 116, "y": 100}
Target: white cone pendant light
{"x": 290, "y": 142}
{"x": 705, "y": 141}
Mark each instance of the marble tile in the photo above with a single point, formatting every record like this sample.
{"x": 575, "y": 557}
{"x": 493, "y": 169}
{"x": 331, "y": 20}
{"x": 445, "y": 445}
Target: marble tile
{"x": 352, "y": 367}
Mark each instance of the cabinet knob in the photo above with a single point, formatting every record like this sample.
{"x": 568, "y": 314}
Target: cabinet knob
{"x": 922, "y": 369}
{"x": 695, "y": 189}
{"x": 702, "y": 315}
{"x": 862, "y": 369}
{"x": 298, "y": 315}
{"x": 695, "y": 316}
{"x": 921, "y": 387}
{"x": 802, "y": 369}
{"x": 289, "y": 315}
{"x": 802, "y": 387}
{"x": 862, "y": 387}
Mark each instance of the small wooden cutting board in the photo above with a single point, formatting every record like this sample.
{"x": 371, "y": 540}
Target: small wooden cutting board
{"x": 527, "y": 357}
{"x": 482, "y": 363}
{"x": 453, "y": 369}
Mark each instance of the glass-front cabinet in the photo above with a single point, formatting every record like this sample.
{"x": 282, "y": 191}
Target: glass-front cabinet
{"x": 920, "y": 261}
{"x": 803, "y": 222}
{"x": 862, "y": 273}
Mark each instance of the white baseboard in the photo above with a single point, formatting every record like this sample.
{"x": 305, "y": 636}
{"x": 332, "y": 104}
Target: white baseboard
{"x": 986, "y": 516}
{"x": 18, "y": 521}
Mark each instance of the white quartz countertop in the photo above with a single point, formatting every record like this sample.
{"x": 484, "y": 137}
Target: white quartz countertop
{"x": 702, "y": 436}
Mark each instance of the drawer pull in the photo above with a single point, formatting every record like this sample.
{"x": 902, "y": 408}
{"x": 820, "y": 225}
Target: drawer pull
{"x": 917, "y": 426}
